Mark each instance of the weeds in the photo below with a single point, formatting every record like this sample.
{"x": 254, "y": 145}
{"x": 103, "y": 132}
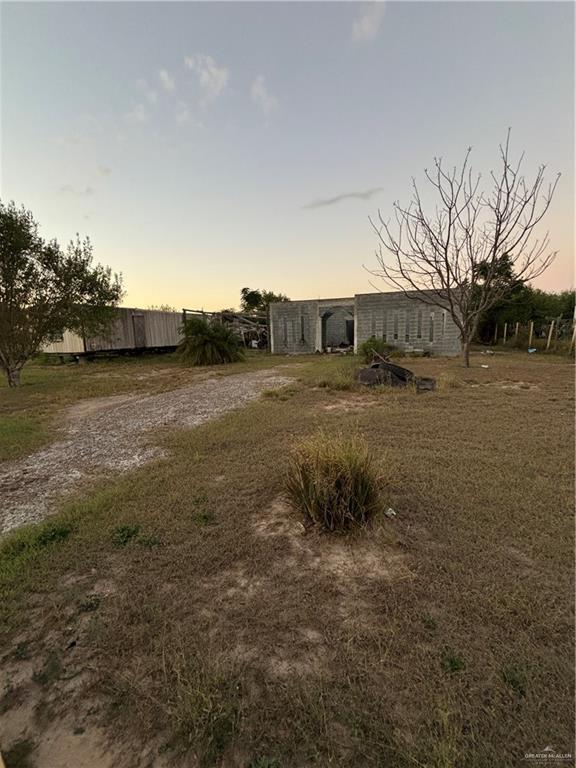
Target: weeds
{"x": 20, "y": 753}
{"x": 124, "y": 534}
{"x": 49, "y": 673}
{"x": 90, "y": 604}
{"x": 448, "y": 380}
{"x": 284, "y": 393}
{"x": 202, "y": 701}
{"x": 452, "y": 661}
{"x": 339, "y": 378}
{"x": 22, "y": 652}
{"x": 33, "y": 538}
{"x": 332, "y": 482}
{"x": 515, "y": 678}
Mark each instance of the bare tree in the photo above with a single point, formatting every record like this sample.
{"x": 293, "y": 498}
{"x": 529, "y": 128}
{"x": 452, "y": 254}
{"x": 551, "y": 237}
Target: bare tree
{"x": 463, "y": 255}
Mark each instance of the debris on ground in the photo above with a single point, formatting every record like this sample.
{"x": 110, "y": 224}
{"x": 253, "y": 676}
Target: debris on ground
{"x": 389, "y": 374}
{"x": 390, "y": 512}
{"x": 531, "y": 350}
{"x": 484, "y": 366}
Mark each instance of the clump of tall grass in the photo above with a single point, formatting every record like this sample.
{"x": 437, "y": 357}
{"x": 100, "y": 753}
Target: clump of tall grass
{"x": 448, "y": 380}
{"x": 209, "y": 343}
{"x": 333, "y": 482}
{"x": 339, "y": 378}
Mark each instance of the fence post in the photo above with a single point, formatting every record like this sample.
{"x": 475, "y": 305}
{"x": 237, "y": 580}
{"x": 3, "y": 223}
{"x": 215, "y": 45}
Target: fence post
{"x": 573, "y": 341}
{"x": 531, "y": 332}
{"x": 505, "y": 331}
{"x": 496, "y": 333}
{"x": 516, "y": 332}
{"x": 549, "y": 336}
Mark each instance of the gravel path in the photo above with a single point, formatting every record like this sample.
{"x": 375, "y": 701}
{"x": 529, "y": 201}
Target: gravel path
{"x": 110, "y": 435}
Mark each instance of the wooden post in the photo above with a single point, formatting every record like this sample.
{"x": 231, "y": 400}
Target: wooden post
{"x": 573, "y": 341}
{"x": 505, "y": 332}
{"x": 549, "y": 335}
{"x": 531, "y": 332}
{"x": 496, "y": 334}
{"x": 516, "y": 331}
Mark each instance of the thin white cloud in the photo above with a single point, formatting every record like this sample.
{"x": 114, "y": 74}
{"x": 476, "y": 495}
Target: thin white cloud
{"x": 184, "y": 116}
{"x": 138, "y": 114}
{"x": 365, "y": 194}
{"x": 68, "y": 189}
{"x": 168, "y": 82}
{"x": 367, "y": 25}
{"x": 149, "y": 93}
{"x": 212, "y": 78}
{"x": 262, "y": 97}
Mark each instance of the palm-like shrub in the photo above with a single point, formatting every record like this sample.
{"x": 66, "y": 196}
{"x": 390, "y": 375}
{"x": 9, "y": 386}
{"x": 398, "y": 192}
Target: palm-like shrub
{"x": 333, "y": 482}
{"x": 206, "y": 343}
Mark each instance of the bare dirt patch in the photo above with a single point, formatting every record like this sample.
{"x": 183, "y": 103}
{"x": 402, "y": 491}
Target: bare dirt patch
{"x": 350, "y": 404}
{"x": 111, "y": 435}
{"x": 506, "y": 384}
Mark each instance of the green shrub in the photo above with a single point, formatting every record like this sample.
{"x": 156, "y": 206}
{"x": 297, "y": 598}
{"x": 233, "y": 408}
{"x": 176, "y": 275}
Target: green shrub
{"x": 124, "y": 534}
{"x": 332, "y": 481}
{"x": 367, "y": 349}
{"x": 209, "y": 343}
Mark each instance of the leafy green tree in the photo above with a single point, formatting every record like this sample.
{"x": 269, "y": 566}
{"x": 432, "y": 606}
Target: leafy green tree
{"x": 254, "y": 301}
{"x": 45, "y": 290}
{"x": 209, "y": 343}
{"x": 524, "y": 304}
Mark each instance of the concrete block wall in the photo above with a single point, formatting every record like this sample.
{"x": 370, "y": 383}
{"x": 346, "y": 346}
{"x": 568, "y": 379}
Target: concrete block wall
{"x": 406, "y": 323}
{"x": 294, "y": 327}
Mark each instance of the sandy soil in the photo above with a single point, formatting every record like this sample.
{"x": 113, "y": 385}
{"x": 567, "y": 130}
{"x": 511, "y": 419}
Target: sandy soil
{"x": 113, "y": 434}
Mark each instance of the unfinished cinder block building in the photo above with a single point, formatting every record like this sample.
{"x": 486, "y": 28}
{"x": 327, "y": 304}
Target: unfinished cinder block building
{"x": 300, "y": 327}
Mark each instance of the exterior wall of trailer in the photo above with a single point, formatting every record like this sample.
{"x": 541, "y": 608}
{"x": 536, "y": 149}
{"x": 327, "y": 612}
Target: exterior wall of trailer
{"x": 132, "y": 329}
{"x": 71, "y": 344}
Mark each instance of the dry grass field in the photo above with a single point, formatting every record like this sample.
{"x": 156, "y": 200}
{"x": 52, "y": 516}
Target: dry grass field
{"x": 180, "y": 615}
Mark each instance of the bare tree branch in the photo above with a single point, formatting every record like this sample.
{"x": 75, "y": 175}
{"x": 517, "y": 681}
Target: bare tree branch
{"x": 463, "y": 256}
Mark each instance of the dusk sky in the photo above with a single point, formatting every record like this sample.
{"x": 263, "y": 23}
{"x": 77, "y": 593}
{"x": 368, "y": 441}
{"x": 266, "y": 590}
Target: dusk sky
{"x": 205, "y": 147}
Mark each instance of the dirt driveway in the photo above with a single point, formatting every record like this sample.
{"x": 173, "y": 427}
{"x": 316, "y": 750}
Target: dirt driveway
{"x": 108, "y": 435}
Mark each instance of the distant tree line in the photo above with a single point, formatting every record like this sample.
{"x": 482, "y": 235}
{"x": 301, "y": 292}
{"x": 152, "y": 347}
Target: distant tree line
{"x": 524, "y": 304}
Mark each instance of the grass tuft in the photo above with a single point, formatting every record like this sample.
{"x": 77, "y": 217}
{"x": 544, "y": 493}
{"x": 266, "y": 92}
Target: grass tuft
{"x": 124, "y": 534}
{"x": 448, "y": 380}
{"x": 339, "y": 378}
{"x": 452, "y": 662}
{"x": 332, "y": 481}
{"x": 202, "y": 702}
{"x": 515, "y": 678}
{"x": 33, "y": 538}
